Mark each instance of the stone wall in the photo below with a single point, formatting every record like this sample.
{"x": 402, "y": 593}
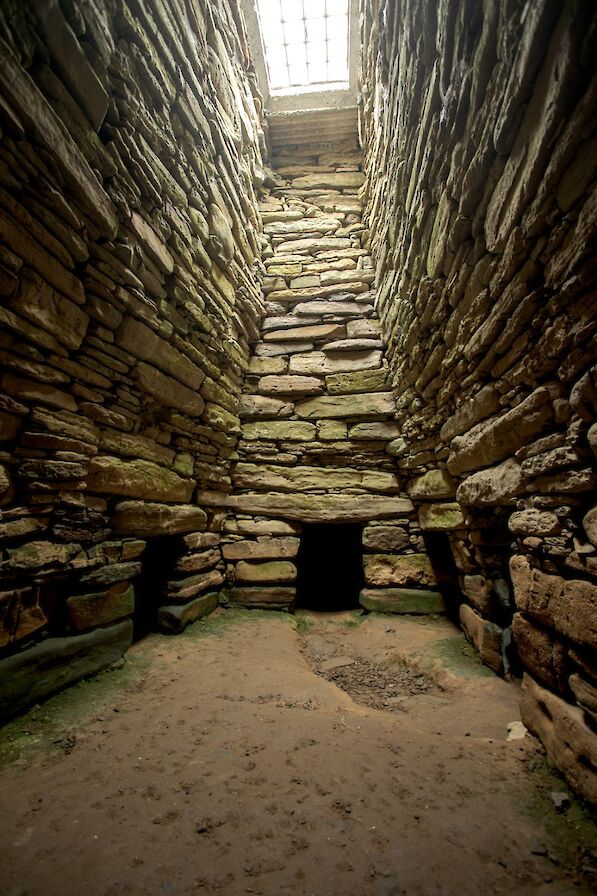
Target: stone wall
{"x": 318, "y": 421}
{"x": 129, "y": 276}
{"x": 479, "y": 129}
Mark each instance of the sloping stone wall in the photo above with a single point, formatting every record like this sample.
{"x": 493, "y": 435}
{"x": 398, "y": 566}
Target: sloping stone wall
{"x": 129, "y": 276}
{"x": 318, "y": 421}
{"x": 478, "y": 123}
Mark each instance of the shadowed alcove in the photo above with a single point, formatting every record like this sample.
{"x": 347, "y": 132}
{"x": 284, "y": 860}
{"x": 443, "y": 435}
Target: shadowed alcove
{"x": 330, "y": 567}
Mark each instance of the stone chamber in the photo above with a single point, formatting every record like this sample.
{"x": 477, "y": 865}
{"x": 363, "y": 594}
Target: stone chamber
{"x": 240, "y": 358}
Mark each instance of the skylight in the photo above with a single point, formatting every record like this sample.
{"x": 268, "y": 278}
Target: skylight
{"x": 306, "y": 42}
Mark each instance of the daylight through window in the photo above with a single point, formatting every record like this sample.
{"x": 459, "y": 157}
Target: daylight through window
{"x": 306, "y": 41}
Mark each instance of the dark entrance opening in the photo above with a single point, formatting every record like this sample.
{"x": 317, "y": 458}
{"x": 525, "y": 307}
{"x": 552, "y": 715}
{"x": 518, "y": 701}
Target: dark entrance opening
{"x": 157, "y": 561}
{"x": 437, "y": 545}
{"x": 330, "y": 567}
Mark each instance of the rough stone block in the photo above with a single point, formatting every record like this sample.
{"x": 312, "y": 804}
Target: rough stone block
{"x": 35, "y": 673}
{"x": 181, "y": 591}
{"x": 262, "y": 549}
{"x": 502, "y": 436}
{"x": 485, "y": 636}
{"x": 540, "y": 653}
{"x": 374, "y": 404}
{"x": 137, "y": 479}
{"x": 432, "y": 486}
{"x": 142, "y": 342}
{"x": 282, "y": 431}
{"x": 534, "y": 522}
{"x": 570, "y": 743}
{"x": 479, "y": 591}
{"x": 265, "y": 477}
{"x": 147, "y": 519}
{"x": 440, "y": 517}
{"x": 86, "y": 611}
{"x": 167, "y": 390}
{"x": 263, "y": 597}
{"x": 335, "y": 181}
{"x": 258, "y": 406}
{"x": 320, "y": 364}
{"x": 314, "y": 333}
{"x": 385, "y": 539}
{"x": 398, "y": 569}
{"x": 402, "y": 600}
{"x": 176, "y": 617}
{"x": 331, "y": 430}
{"x": 585, "y": 693}
{"x": 567, "y": 605}
{"x": 20, "y": 615}
{"x": 498, "y": 485}
{"x": 325, "y": 508}
{"x": 272, "y": 571}
{"x": 375, "y": 432}
{"x": 290, "y": 385}
{"x": 357, "y": 381}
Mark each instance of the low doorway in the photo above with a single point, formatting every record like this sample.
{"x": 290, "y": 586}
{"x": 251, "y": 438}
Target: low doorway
{"x": 330, "y": 567}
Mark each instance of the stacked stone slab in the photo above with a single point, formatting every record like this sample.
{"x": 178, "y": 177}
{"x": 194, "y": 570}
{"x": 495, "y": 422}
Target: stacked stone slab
{"x": 318, "y": 420}
{"x": 478, "y": 127}
{"x": 130, "y": 293}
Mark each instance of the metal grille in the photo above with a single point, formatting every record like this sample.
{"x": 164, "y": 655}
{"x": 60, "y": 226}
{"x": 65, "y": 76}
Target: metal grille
{"x": 306, "y": 41}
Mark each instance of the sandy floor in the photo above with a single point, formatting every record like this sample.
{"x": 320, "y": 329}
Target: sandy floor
{"x": 220, "y": 761}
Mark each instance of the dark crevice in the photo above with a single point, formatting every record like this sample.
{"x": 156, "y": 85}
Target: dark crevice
{"x": 437, "y": 545}
{"x": 158, "y": 562}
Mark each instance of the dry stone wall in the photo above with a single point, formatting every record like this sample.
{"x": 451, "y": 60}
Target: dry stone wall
{"x": 478, "y": 122}
{"x": 130, "y": 280}
{"x": 318, "y": 419}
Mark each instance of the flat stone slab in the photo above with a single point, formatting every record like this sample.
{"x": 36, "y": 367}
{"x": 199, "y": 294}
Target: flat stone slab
{"x": 175, "y": 618}
{"x": 261, "y": 549}
{"x": 357, "y": 381}
{"x": 33, "y": 674}
{"x": 318, "y": 224}
{"x": 351, "y": 345}
{"x": 329, "y": 277}
{"x": 337, "y": 309}
{"x": 337, "y": 662}
{"x": 262, "y": 597}
{"x": 323, "y": 508}
{"x": 309, "y": 334}
{"x": 143, "y": 518}
{"x": 308, "y": 246}
{"x": 376, "y": 431}
{"x": 271, "y": 571}
{"x": 260, "y": 406}
{"x": 137, "y": 479}
{"x": 318, "y": 363}
{"x": 402, "y": 600}
{"x": 373, "y": 404}
{"x": 290, "y": 385}
{"x": 336, "y": 180}
{"x": 263, "y": 477}
{"x": 280, "y": 430}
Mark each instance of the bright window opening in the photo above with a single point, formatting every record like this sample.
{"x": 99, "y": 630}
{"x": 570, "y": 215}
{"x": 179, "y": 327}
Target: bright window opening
{"x": 306, "y": 42}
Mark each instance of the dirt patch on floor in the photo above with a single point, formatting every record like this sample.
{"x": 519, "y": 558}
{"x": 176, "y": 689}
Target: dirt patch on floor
{"x": 221, "y": 761}
{"x": 381, "y": 687}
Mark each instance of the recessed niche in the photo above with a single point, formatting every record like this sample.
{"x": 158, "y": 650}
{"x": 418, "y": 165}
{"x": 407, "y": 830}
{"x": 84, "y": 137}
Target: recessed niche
{"x": 330, "y": 567}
